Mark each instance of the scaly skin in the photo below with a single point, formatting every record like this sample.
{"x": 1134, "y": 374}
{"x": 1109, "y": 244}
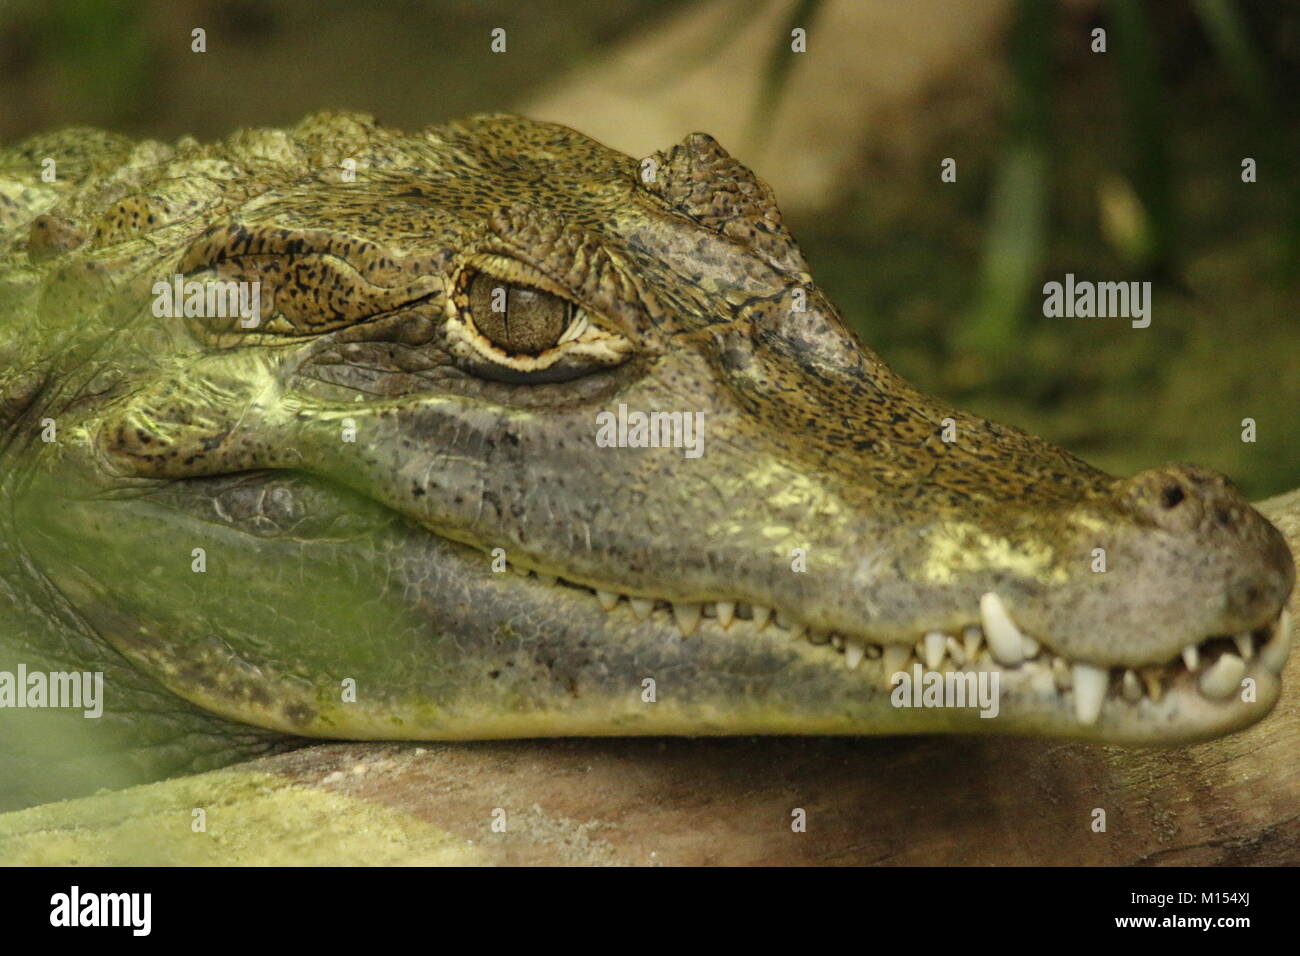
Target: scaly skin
{"x": 372, "y": 559}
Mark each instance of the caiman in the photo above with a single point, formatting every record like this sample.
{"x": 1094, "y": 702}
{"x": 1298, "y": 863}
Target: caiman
{"x": 408, "y": 489}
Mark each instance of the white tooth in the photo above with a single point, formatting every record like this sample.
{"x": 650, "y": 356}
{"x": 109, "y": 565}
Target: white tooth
{"x": 1029, "y": 646}
{"x": 896, "y": 657}
{"x": 1005, "y": 640}
{"x": 1224, "y": 677}
{"x": 641, "y": 607}
{"x": 873, "y": 651}
{"x": 1151, "y": 680}
{"x": 761, "y": 616}
{"x": 853, "y": 652}
{"x": 1245, "y": 646}
{"x": 935, "y": 645}
{"x": 837, "y": 641}
{"x": 608, "y": 599}
{"x": 1061, "y": 673}
{"x": 1132, "y": 687}
{"x": 818, "y": 637}
{"x": 972, "y": 639}
{"x": 726, "y": 612}
{"x": 955, "y": 651}
{"x": 687, "y": 616}
{"x": 1089, "y": 691}
{"x": 1191, "y": 657}
{"x": 1273, "y": 654}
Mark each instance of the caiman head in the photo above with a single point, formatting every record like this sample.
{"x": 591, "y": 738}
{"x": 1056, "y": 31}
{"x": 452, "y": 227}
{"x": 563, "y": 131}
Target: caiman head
{"x": 526, "y": 437}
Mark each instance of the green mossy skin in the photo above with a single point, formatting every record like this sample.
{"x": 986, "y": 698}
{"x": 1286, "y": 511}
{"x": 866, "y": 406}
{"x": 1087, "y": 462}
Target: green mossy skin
{"x": 145, "y": 732}
{"x": 331, "y": 559}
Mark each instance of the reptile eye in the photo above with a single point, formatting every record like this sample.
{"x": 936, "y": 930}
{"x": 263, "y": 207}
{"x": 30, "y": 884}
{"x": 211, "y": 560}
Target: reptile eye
{"x": 516, "y": 319}
{"x": 521, "y": 330}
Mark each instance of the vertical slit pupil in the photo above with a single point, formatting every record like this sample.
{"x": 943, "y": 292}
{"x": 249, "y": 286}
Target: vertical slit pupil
{"x": 533, "y": 320}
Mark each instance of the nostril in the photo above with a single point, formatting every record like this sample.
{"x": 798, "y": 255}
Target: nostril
{"x": 1172, "y": 495}
{"x": 1182, "y": 498}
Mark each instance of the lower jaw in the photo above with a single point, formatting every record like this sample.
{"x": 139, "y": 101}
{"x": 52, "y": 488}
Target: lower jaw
{"x": 513, "y": 658}
{"x": 532, "y": 659}
{"x": 1226, "y": 685}
{"x": 1019, "y": 711}
{"x": 718, "y": 683}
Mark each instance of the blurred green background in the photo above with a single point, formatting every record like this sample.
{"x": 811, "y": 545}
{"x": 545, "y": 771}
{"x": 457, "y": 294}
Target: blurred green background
{"x": 1115, "y": 165}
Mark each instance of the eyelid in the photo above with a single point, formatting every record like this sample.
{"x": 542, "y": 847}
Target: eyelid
{"x": 511, "y": 272}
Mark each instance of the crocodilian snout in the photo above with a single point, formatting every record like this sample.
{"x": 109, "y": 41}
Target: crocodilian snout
{"x": 1167, "y": 620}
{"x": 1239, "y": 566}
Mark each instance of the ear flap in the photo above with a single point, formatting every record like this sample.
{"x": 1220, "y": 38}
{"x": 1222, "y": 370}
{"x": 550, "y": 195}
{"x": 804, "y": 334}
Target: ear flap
{"x": 699, "y": 179}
